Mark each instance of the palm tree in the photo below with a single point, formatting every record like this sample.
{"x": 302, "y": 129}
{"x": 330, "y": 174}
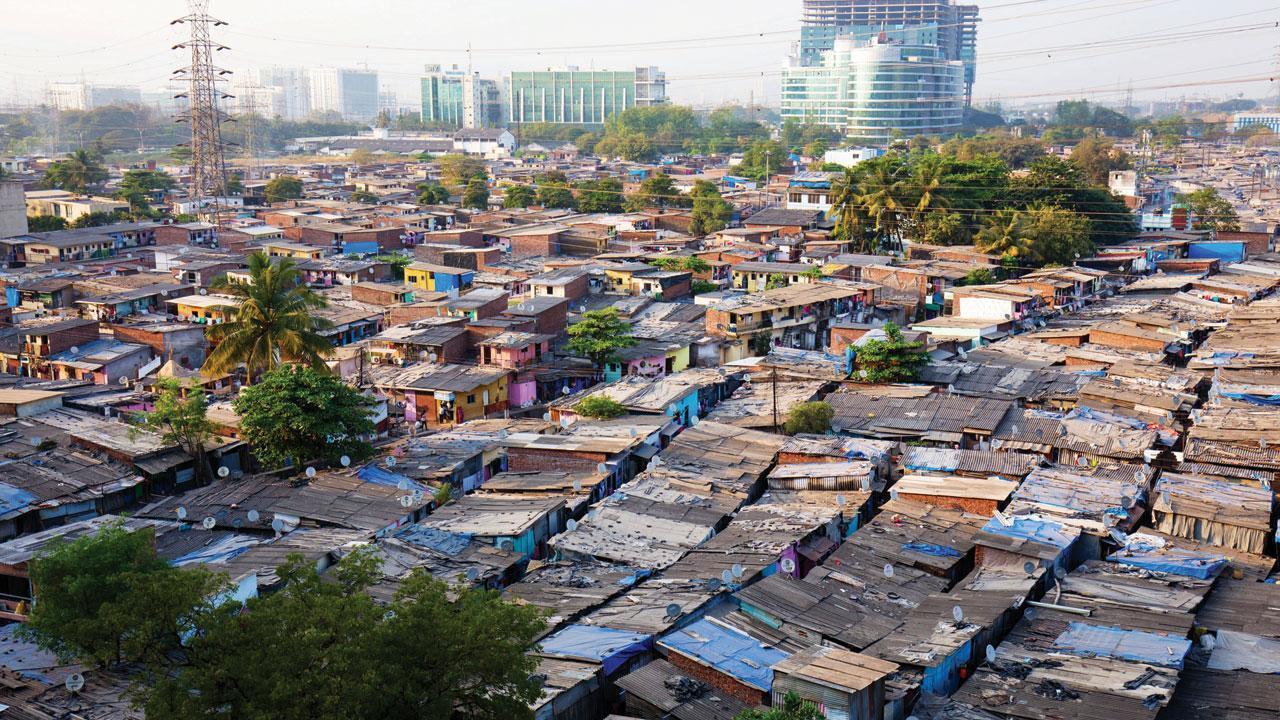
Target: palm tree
{"x": 927, "y": 192}
{"x": 1001, "y": 234}
{"x": 272, "y": 321}
{"x": 81, "y": 171}
{"x": 885, "y": 199}
{"x": 851, "y": 220}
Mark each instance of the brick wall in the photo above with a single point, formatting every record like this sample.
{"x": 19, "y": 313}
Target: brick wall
{"x": 534, "y": 245}
{"x": 529, "y": 460}
{"x": 717, "y": 680}
{"x": 1101, "y": 337}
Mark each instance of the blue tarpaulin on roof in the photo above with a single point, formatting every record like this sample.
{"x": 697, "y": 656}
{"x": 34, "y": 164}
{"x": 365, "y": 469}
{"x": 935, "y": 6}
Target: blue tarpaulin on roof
{"x": 1040, "y": 531}
{"x": 14, "y": 498}
{"x": 382, "y": 476}
{"x": 733, "y": 653}
{"x": 1136, "y": 645}
{"x": 442, "y": 541}
{"x": 611, "y": 648}
{"x": 934, "y": 550}
{"x": 1165, "y": 559}
{"x": 226, "y": 548}
{"x": 1270, "y": 400}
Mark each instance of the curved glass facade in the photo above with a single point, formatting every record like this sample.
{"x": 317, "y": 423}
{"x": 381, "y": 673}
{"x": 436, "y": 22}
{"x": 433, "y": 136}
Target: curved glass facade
{"x": 877, "y": 91}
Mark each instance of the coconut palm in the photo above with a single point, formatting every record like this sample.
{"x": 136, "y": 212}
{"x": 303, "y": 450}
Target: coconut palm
{"x": 272, "y": 321}
{"x": 80, "y": 172}
{"x": 851, "y": 221}
{"x": 885, "y": 199}
{"x": 927, "y": 190}
{"x": 1002, "y": 234}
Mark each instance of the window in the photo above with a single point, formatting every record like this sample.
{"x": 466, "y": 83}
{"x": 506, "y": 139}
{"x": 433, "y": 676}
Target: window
{"x": 471, "y": 399}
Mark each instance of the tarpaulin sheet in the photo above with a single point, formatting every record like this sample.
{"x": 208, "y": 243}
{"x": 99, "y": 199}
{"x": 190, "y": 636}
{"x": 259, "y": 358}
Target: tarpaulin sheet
{"x": 733, "y": 653}
{"x": 14, "y": 498}
{"x": 1152, "y": 553}
{"x": 1136, "y": 645}
{"x": 1271, "y": 400}
{"x": 1241, "y": 651}
{"x": 442, "y": 541}
{"x": 226, "y": 548}
{"x": 382, "y": 476}
{"x": 934, "y": 550}
{"x": 1033, "y": 529}
{"x": 611, "y": 648}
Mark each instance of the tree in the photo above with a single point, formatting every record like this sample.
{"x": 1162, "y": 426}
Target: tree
{"x": 1054, "y": 181}
{"x": 1040, "y": 235}
{"x": 599, "y": 196}
{"x": 1097, "y": 159}
{"x": 599, "y": 335}
{"x": 695, "y": 264}
{"x": 271, "y": 321}
{"x": 235, "y": 184}
{"x": 814, "y": 273}
{"x": 657, "y": 190}
{"x": 398, "y": 263}
{"x": 703, "y": 286}
{"x": 775, "y": 281}
{"x": 432, "y": 193}
{"x": 600, "y": 408}
{"x": 977, "y": 276}
{"x": 761, "y": 160}
{"x": 476, "y": 194}
{"x": 852, "y": 224}
{"x": 628, "y": 145}
{"x": 146, "y": 181}
{"x": 553, "y": 190}
{"x": 360, "y": 156}
{"x": 180, "y": 415}
{"x": 892, "y": 360}
{"x": 297, "y": 414}
{"x": 434, "y": 651}
{"x": 711, "y": 213}
{"x": 518, "y": 196}
{"x": 281, "y": 188}
{"x": 95, "y": 219}
{"x": 1211, "y": 211}
{"x": 364, "y": 196}
{"x": 80, "y": 172}
{"x": 792, "y": 708}
{"x": 813, "y": 418}
{"x": 943, "y": 228}
{"x": 885, "y": 196}
{"x": 457, "y": 170}
{"x": 107, "y": 598}
{"x": 45, "y": 223}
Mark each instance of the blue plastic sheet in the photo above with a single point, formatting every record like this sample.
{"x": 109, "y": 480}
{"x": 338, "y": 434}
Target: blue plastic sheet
{"x": 1268, "y": 400}
{"x": 382, "y": 476}
{"x": 611, "y": 648}
{"x": 733, "y": 653}
{"x": 1040, "y": 531}
{"x": 14, "y": 498}
{"x": 1112, "y": 642}
{"x": 442, "y": 541}
{"x": 934, "y": 550}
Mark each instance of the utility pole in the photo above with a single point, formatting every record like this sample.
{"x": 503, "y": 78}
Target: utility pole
{"x": 208, "y": 161}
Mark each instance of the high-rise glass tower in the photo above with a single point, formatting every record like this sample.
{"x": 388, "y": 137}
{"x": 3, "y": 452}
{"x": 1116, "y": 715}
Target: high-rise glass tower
{"x": 956, "y": 27}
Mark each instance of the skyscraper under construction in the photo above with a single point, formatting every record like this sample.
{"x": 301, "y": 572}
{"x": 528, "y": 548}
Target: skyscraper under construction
{"x": 956, "y": 27}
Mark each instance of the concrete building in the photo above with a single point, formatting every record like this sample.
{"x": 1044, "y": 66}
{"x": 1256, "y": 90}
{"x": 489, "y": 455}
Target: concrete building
{"x": 954, "y": 27}
{"x": 351, "y": 93}
{"x": 1269, "y": 120}
{"x": 877, "y": 90}
{"x": 581, "y": 97}
{"x": 294, "y": 91}
{"x": 68, "y": 205}
{"x": 13, "y": 209}
{"x": 457, "y": 99}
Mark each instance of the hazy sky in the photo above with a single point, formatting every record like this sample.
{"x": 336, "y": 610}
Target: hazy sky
{"x": 712, "y": 50}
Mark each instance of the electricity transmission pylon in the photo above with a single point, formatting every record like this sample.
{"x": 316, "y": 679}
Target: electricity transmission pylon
{"x": 208, "y": 164}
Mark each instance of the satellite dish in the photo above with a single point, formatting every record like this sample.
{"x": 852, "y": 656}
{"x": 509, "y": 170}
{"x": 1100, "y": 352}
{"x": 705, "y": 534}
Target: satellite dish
{"x": 564, "y": 422}
{"x": 209, "y": 523}
{"x": 506, "y": 544}
{"x": 727, "y": 577}
{"x": 546, "y": 416}
{"x": 694, "y": 420}
{"x": 602, "y": 468}
{"x": 473, "y": 574}
{"x": 713, "y": 584}
{"x": 788, "y": 565}
{"x": 418, "y": 495}
{"x": 571, "y": 525}
{"x": 277, "y": 524}
{"x": 124, "y": 380}
{"x": 738, "y": 570}
{"x": 1059, "y": 573}
{"x": 36, "y": 440}
{"x": 991, "y": 655}
{"x": 1126, "y": 502}
{"x": 577, "y": 485}
{"x": 840, "y": 500}
{"x": 502, "y": 434}
{"x": 565, "y": 390}
{"x": 74, "y": 682}
{"x": 235, "y": 523}
{"x": 224, "y": 471}
{"x": 406, "y": 501}
{"x": 432, "y": 357}
{"x": 182, "y": 513}
{"x": 1139, "y": 476}
{"x": 1029, "y": 568}
{"x": 389, "y": 615}
{"x": 391, "y": 462}
{"x": 631, "y": 432}
{"x": 893, "y": 494}
{"x": 311, "y": 472}
{"x": 402, "y": 485}
{"x": 866, "y": 484}
{"x": 888, "y": 570}
{"x": 673, "y": 610}
{"x": 957, "y": 613}
{"x": 254, "y": 515}
{"x": 345, "y": 461}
